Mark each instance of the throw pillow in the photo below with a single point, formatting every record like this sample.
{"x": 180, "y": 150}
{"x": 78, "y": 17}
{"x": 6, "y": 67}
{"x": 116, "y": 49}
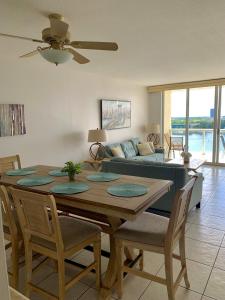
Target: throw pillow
{"x": 118, "y": 152}
{"x": 152, "y": 146}
{"x": 144, "y": 149}
{"x": 128, "y": 149}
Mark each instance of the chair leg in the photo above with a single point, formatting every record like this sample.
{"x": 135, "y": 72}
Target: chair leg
{"x": 15, "y": 263}
{"x": 28, "y": 260}
{"x": 61, "y": 277}
{"x": 169, "y": 152}
{"x": 169, "y": 276}
{"x": 97, "y": 258}
{"x": 141, "y": 262}
{"x": 183, "y": 259}
{"x": 120, "y": 252}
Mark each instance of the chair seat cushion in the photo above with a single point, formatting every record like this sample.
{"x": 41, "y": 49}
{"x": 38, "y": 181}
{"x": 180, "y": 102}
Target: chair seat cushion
{"x": 73, "y": 231}
{"x": 146, "y": 229}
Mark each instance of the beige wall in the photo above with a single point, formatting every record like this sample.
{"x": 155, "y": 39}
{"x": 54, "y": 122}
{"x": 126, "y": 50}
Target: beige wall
{"x": 60, "y": 106}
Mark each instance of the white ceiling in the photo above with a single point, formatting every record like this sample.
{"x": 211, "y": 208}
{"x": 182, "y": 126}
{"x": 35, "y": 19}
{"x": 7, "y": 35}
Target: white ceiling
{"x": 160, "y": 41}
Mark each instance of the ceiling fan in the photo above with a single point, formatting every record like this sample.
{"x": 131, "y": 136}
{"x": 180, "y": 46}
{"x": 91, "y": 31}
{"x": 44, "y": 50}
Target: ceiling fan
{"x": 58, "y": 38}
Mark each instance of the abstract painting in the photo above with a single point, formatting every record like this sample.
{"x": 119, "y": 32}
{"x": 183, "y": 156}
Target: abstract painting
{"x": 115, "y": 114}
{"x": 12, "y": 121}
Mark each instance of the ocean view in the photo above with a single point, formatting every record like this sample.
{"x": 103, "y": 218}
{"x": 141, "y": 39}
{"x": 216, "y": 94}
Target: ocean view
{"x": 201, "y": 142}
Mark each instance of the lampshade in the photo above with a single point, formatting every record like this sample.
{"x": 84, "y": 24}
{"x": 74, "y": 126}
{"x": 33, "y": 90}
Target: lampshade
{"x": 97, "y": 135}
{"x": 152, "y": 128}
{"x": 56, "y": 56}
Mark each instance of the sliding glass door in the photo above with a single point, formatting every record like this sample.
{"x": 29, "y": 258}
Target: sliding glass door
{"x": 201, "y": 122}
{"x": 197, "y": 115}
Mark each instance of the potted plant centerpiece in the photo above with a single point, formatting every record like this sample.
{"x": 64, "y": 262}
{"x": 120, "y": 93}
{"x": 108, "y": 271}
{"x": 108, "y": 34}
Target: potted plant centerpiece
{"x": 72, "y": 168}
{"x": 186, "y": 155}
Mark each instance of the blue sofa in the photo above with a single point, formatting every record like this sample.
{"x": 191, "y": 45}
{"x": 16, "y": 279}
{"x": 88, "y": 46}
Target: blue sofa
{"x": 177, "y": 173}
{"x": 130, "y": 151}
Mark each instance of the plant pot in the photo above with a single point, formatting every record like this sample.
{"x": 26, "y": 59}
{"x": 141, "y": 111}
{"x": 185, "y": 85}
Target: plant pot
{"x": 71, "y": 177}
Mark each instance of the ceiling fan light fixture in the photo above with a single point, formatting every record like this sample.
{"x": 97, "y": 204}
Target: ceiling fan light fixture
{"x": 56, "y": 56}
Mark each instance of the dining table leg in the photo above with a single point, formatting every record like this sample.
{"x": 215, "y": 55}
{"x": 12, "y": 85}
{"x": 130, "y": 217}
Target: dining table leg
{"x": 109, "y": 279}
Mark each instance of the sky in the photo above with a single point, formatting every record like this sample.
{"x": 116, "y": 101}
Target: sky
{"x": 201, "y": 101}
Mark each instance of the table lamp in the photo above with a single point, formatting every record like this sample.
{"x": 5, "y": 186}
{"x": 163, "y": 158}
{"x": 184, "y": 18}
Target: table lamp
{"x": 153, "y": 131}
{"x": 96, "y": 136}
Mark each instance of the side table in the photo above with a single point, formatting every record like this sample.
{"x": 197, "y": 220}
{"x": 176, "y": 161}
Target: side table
{"x": 95, "y": 164}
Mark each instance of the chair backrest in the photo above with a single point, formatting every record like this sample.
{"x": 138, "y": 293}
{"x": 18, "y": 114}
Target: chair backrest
{"x": 9, "y": 163}
{"x": 177, "y": 140}
{"x": 8, "y": 214}
{"x": 179, "y": 212}
{"x": 38, "y": 217}
{"x": 167, "y": 138}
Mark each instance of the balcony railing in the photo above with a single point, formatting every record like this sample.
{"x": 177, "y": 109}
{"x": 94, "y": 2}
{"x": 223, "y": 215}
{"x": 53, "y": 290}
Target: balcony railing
{"x": 200, "y": 139}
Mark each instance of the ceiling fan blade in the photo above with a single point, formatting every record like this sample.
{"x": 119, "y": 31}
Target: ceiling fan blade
{"x": 29, "y": 54}
{"x": 32, "y": 53}
{"x": 21, "y": 37}
{"x": 58, "y": 28}
{"x": 94, "y": 45}
{"x": 78, "y": 57}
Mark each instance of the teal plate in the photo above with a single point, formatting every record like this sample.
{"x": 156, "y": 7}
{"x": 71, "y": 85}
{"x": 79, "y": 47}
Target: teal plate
{"x": 101, "y": 176}
{"x": 57, "y": 173}
{"x": 70, "y": 188}
{"x": 35, "y": 180}
{"x": 20, "y": 172}
{"x": 127, "y": 190}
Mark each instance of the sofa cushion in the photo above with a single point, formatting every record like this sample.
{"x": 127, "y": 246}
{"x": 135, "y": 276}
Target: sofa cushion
{"x": 144, "y": 149}
{"x": 128, "y": 149}
{"x": 109, "y": 147}
{"x": 118, "y": 152}
{"x": 135, "y": 142}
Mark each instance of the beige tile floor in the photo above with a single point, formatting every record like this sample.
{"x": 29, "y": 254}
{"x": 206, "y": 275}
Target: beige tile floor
{"x": 205, "y": 250}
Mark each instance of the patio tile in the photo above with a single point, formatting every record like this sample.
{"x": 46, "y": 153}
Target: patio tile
{"x": 86, "y": 257}
{"x": 159, "y": 292}
{"x": 51, "y": 285}
{"x": 208, "y": 220}
{"x": 205, "y": 234}
{"x": 198, "y": 274}
{"x": 91, "y": 294}
{"x": 216, "y": 285}
{"x": 201, "y": 252}
{"x": 134, "y": 287}
{"x": 220, "y": 260}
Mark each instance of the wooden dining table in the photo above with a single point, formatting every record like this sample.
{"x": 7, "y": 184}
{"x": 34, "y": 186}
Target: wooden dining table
{"x": 99, "y": 207}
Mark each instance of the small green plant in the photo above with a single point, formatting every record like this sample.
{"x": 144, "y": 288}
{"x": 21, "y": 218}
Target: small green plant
{"x": 72, "y": 168}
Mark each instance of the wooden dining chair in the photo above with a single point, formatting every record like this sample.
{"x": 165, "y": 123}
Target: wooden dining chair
{"x": 12, "y": 233}
{"x": 57, "y": 237}
{"x": 9, "y": 163}
{"x": 158, "y": 234}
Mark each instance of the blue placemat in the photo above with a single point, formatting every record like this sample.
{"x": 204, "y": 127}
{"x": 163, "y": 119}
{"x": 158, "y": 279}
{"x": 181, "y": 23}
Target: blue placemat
{"x": 20, "y": 172}
{"x": 127, "y": 190}
{"x": 35, "y": 180}
{"x": 70, "y": 188}
{"x": 58, "y": 173}
{"x": 101, "y": 176}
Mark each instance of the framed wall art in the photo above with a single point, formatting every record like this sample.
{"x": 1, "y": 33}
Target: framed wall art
{"x": 115, "y": 114}
{"x": 12, "y": 120}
